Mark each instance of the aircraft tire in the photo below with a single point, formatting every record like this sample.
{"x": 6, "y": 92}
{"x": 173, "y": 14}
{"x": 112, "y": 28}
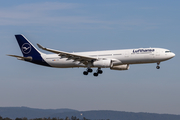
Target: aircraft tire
{"x": 100, "y": 71}
{"x": 95, "y": 74}
{"x": 85, "y": 73}
{"x": 90, "y": 70}
{"x": 158, "y": 67}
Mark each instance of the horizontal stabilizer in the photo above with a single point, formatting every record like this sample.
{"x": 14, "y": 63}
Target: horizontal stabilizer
{"x": 21, "y": 58}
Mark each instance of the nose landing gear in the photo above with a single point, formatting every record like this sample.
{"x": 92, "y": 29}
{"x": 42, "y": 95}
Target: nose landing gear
{"x": 158, "y": 67}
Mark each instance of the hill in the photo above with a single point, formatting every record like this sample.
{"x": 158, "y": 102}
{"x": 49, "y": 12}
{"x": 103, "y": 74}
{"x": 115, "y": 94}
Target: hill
{"x": 20, "y": 112}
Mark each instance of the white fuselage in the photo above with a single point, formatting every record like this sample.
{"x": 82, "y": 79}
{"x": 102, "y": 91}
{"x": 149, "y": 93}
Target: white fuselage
{"x": 119, "y": 57}
{"x": 113, "y": 59}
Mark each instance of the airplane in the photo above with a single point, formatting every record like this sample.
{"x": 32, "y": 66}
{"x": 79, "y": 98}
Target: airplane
{"x": 113, "y": 59}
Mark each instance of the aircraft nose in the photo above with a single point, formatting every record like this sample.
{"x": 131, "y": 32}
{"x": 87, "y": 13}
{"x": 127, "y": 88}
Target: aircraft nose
{"x": 170, "y": 55}
{"x": 173, "y": 54}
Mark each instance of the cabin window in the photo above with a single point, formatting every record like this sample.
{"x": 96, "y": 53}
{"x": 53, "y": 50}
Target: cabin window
{"x": 167, "y": 51}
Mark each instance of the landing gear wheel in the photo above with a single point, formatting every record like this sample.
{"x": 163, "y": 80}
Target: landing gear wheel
{"x": 85, "y": 73}
{"x": 95, "y": 74}
{"x": 158, "y": 67}
{"x": 89, "y": 70}
{"x": 100, "y": 71}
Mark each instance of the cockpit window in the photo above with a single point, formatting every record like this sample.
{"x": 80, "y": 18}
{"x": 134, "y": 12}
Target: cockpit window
{"x": 167, "y": 51}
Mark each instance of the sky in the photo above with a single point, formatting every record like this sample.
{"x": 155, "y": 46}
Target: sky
{"x": 75, "y": 26}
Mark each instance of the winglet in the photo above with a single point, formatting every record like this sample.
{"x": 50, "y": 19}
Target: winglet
{"x": 40, "y": 46}
{"x": 47, "y": 49}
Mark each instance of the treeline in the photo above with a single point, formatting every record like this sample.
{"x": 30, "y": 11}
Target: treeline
{"x": 72, "y": 118}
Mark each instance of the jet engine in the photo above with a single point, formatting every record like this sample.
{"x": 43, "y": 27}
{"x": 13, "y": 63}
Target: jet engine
{"x": 102, "y": 63}
{"x": 120, "y": 67}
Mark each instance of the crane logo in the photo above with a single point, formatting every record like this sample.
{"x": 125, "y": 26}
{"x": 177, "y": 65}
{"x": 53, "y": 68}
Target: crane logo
{"x": 26, "y": 48}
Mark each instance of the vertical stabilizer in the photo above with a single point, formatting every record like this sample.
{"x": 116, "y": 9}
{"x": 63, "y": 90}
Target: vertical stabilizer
{"x": 28, "y": 50}
{"x": 26, "y": 47}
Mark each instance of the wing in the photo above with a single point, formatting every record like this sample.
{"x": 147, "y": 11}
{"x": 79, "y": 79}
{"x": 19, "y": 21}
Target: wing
{"x": 21, "y": 58}
{"x": 70, "y": 56}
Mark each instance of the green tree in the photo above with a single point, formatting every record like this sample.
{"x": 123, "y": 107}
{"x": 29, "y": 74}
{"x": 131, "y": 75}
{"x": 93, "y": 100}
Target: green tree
{"x": 24, "y": 118}
{"x": 73, "y": 118}
{"x": 54, "y": 119}
{"x": 66, "y": 118}
{"x": 18, "y": 119}
{"x": 7, "y": 118}
{"x": 1, "y": 118}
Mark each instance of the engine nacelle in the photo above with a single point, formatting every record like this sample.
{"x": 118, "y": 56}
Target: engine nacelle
{"x": 102, "y": 63}
{"x": 120, "y": 67}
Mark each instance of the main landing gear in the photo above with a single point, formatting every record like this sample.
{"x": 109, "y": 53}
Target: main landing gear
{"x": 87, "y": 71}
{"x": 98, "y": 71}
{"x": 158, "y": 67}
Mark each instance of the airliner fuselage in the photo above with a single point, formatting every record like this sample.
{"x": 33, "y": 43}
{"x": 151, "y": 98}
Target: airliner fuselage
{"x": 113, "y": 59}
{"x": 120, "y": 57}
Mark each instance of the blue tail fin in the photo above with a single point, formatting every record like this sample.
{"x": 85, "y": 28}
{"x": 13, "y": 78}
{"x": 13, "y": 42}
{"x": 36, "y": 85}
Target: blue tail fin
{"x": 29, "y": 50}
{"x": 26, "y": 47}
